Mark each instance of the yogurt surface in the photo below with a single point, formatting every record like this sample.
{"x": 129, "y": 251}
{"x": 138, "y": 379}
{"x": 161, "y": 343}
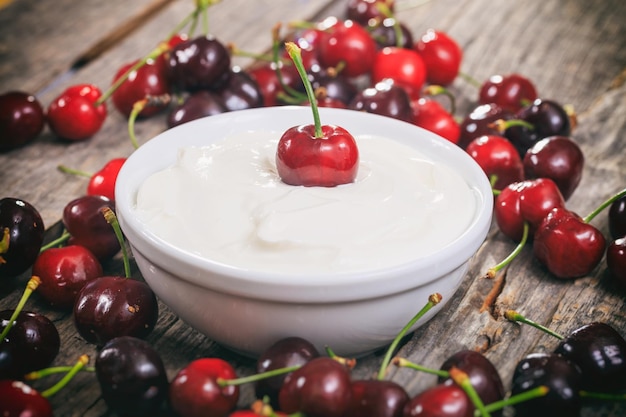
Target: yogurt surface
{"x": 226, "y": 202}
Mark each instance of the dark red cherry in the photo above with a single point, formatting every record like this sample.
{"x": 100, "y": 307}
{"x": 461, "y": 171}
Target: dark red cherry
{"x": 132, "y": 377}
{"x": 497, "y": 156}
{"x": 21, "y": 400}
{"x": 199, "y": 104}
{"x": 616, "y": 260}
{"x": 442, "y": 400}
{"x": 510, "y": 92}
{"x": 21, "y": 235}
{"x": 113, "y": 306}
{"x": 442, "y": 56}
{"x": 31, "y": 344}
{"x": 198, "y": 63}
{"x": 617, "y": 218}
{"x": 291, "y": 351}
{"x": 380, "y": 398}
{"x": 558, "y": 158}
{"x": 386, "y": 31}
{"x": 241, "y": 92}
{"x": 83, "y": 219}
{"x": 348, "y": 44}
{"x": 320, "y": 388}
{"x": 386, "y": 99}
{"x": 562, "y": 377}
{"x": 149, "y": 80}
{"x": 479, "y": 122}
{"x": 600, "y": 353}
{"x": 364, "y": 11}
{"x": 333, "y": 84}
{"x": 22, "y": 119}
{"x": 266, "y": 76}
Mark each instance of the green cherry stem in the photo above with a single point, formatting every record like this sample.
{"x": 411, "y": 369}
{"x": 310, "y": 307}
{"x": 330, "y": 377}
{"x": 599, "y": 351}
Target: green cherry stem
{"x": 491, "y": 273}
{"x": 438, "y": 90}
{"x": 257, "y": 377}
{"x": 31, "y": 286}
{"x": 111, "y": 218}
{"x": 603, "y": 396}
{"x": 462, "y": 380}
{"x": 604, "y": 205}
{"x": 67, "y": 170}
{"x": 53, "y": 370}
{"x": 296, "y": 55}
{"x": 514, "y": 316}
{"x": 536, "y": 392}
{"x": 433, "y": 300}
{"x": 501, "y": 125}
{"x": 65, "y": 236}
{"x": 82, "y": 361}
{"x": 405, "y": 363}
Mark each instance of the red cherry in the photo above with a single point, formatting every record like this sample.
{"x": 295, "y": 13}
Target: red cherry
{"x": 363, "y": 11}
{"x": 442, "y": 400}
{"x": 103, "y": 182}
{"x": 149, "y": 80}
{"x": 267, "y": 79}
{"x": 497, "y": 157}
{"x": 349, "y": 44}
{"x": 566, "y": 245}
{"x": 195, "y": 390}
{"x": 22, "y": 119}
{"x": 432, "y": 116}
{"x": 404, "y": 66}
{"x": 442, "y": 56}
{"x": 74, "y": 115}
{"x": 616, "y": 260}
{"x": 511, "y": 92}
{"x": 63, "y": 272}
{"x": 20, "y": 400}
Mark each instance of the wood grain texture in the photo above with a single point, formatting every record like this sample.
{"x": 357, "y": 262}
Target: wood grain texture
{"x": 572, "y": 49}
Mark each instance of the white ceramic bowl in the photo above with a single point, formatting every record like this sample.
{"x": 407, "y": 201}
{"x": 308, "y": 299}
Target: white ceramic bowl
{"x": 247, "y": 311}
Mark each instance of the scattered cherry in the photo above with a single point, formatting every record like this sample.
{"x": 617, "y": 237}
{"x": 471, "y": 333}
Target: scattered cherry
{"x": 617, "y": 218}
{"x": 76, "y": 113}
{"x": 391, "y": 32}
{"x": 404, "y": 66}
{"x": 441, "y": 400}
{"x": 199, "y": 104}
{"x": 198, "y": 63}
{"x": 150, "y": 79}
{"x": 386, "y": 99}
{"x": 21, "y": 400}
{"x": 103, "y": 181}
{"x": 432, "y": 116}
{"x": 22, "y": 119}
{"x": 374, "y": 397}
{"x": 480, "y": 121}
{"x": 442, "y": 56}
{"x": 364, "y": 11}
{"x": 498, "y": 158}
{"x": 350, "y": 45}
{"x": 511, "y": 92}
{"x": 616, "y": 260}
{"x": 241, "y": 92}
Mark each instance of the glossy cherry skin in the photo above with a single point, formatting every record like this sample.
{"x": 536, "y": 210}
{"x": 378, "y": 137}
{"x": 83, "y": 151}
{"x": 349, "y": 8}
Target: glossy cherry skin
{"x": 385, "y": 33}
{"x": 442, "y": 56}
{"x": 151, "y": 79}
{"x": 479, "y": 122}
{"x": 442, "y": 400}
{"x": 21, "y": 400}
{"x": 616, "y": 260}
{"x": 363, "y": 11}
{"x": 328, "y": 161}
{"x": 385, "y": 98}
{"x": 511, "y": 92}
{"x": 198, "y": 63}
{"x": 63, "y": 272}
{"x": 132, "y": 377}
{"x": 404, "y": 66}
{"x": 194, "y": 391}
{"x": 333, "y": 84}
{"x": 349, "y": 44}
{"x": 287, "y": 352}
{"x": 198, "y": 104}
{"x": 32, "y": 343}
{"x": 267, "y": 78}
{"x": 113, "y": 306}
{"x": 562, "y": 377}
{"x": 497, "y": 157}
{"x": 85, "y": 222}
{"x": 482, "y": 374}
{"x": 73, "y": 114}
{"x": 241, "y": 92}
{"x": 103, "y": 181}
{"x": 617, "y": 218}
{"x": 22, "y": 119}
{"x": 21, "y": 235}
{"x": 378, "y": 398}
{"x": 600, "y": 353}
{"x": 566, "y": 245}
{"x": 320, "y": 388}
{"x": 432, "y": 116}
{"x": 558, "y": 158}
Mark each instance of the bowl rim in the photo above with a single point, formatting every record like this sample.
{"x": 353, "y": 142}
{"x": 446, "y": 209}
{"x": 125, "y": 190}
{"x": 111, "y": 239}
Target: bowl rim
{"x": 302, "y": 287}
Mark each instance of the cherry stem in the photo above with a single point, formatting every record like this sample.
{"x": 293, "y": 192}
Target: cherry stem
{"x": 603, "y": 396}
{"x": 234, "y": 50}
{"x": 257, "y": 377}
{"x": 501, "y": 125}
{"x": 278, "y": 62}
{"x": 513, "y": 315}
{"x": 350, "y": 363}
{"x": 53, "y": 370}
{"x": 82, "y": 361}
{"x": 491, "y": 273}
{"x": 433, "y": 300}
{"x": 604, "y": 205}
{"x": 56, "y": 242}
{"x": 31, "y": 286}
{"x": 438, "y": 90}
{"x": 137, "y": 108}
{"x": 470, "y": 80}
{"x": 296, "y": 55}
{"x": 405, "y": 363}
{"x": 111, "y": 218}
{"x": 462, "y": 380}
{"x": 536, "y": 392}
{"x": 263, "y": 408}
{"x": 73, "y": 171}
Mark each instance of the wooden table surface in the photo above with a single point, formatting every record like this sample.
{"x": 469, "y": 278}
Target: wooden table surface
{"x": 573, "y": 50}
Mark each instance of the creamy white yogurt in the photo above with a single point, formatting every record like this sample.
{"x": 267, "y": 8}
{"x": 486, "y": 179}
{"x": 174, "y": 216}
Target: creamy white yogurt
{"x": 226, "y": 202}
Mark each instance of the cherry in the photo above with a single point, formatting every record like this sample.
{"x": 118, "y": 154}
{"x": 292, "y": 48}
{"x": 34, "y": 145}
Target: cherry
{"x": 617, "y": 218}
{"x": 132, "y": 377}
{"x": 616, "y": 260}
{"x": 198, "y": 63}
{"x": 103, "y": 181}
{"x": 442, "y": 400}
{"x": 511, "y": 92}
{"x": 76, "y": 114}
{"x": 22, "y": 119}
{"x": 150, "y": 79}
{"x": 195, "y": 390}
{"x": 320, "y": 388}
{"x": 432, "y": 116}
{"x": 21, "y": 235}
{"x": 558, "y": 158}
{"x": 404, "y": 66}
{"x": 241, "y": 92}
{"x": 21, "y": 400}
{"x": 391, "y": 32}
{"x": 199, "y": 104}
{"x": 562, "y": 377}
{"x": 567, "y": 245}
{"x": 266, "y": 76}
{"x": 381, "y": 398}
{"x": 315, "y": 154}
{"x": 600, "y": 353}
{"x": 287, "y": 352}
{"x": 348, "y": 44}
{"x": 386, "y": 99}
{"x": 442, "y": 56}
{"x": 32, "y": 343}
{"x": 83, "y": 219}
{"x": 63, "y": 272}
{"x": 480, "y": 121}
{"x": 364, "y": 11}
{"x": 497, "y": 157}
{"x": 331, "y": 84}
